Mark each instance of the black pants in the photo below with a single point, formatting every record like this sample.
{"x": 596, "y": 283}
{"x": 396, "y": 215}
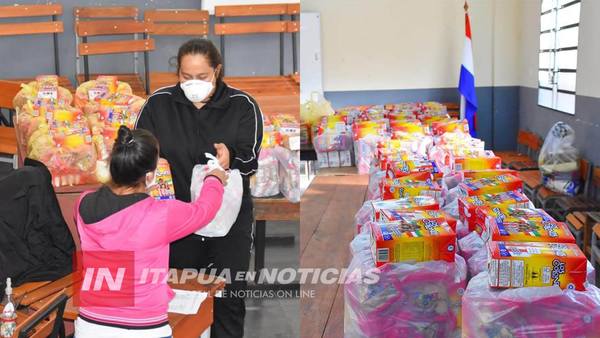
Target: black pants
{"x": 230, "y": 252}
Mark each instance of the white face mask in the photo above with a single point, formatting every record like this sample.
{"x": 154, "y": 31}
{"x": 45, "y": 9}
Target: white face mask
{"x": 197, "y": 90}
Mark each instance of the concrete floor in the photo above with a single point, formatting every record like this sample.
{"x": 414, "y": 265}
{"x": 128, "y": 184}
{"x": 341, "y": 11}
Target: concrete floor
{"x": 272, "y": 317}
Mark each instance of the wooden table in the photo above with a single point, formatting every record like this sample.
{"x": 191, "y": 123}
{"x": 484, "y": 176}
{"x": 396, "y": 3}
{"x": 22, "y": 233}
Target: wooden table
{"x": 183, "y": 325}
{"x": 326, "y": 229}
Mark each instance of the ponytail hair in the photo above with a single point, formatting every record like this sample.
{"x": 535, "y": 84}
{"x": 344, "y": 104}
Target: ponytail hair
{"x": 134, "y": 154}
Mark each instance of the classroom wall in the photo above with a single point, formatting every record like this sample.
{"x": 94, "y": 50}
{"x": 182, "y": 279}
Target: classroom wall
{"x": 409, "y": 50}
{"x": 586, "y": 120}
{"x": 27, "y": 56}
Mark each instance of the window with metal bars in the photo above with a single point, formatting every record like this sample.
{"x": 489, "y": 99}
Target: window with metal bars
{"x": 559, "y": 37}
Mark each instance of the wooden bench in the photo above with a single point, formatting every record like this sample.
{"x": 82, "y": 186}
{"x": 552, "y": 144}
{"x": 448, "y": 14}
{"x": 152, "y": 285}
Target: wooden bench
{"x": 28, "y": 11}
{"x": 112, "y": 21}
{"x": 326, "y": 218}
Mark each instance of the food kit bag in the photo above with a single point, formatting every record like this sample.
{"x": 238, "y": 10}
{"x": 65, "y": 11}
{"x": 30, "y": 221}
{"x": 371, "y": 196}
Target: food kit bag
{"x": 404, "y": 300}
{"x": 559, "y": 160}
{"x": 265, "y": 183}
{"x": 232, "y": 198}
{"x": 540, "y": 312}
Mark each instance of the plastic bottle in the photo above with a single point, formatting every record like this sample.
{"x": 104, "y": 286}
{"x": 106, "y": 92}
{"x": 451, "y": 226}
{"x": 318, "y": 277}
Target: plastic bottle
{"x": 9, "y": 314}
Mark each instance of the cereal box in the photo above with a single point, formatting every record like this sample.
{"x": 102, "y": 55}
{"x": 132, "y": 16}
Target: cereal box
{"x": 396, "y": 188}
{"x": 163, "y": 189}
{"x": 531, "y": 231}
{"x": 391, "y": 215}
{"x": 467, "y": 205}
{"x": 491, "y": 185}
{"x": 404, "y": 204}
{"x": 527, "y": 264}
{"x": 500, "y": 215}
{"x": 414, "y": 241}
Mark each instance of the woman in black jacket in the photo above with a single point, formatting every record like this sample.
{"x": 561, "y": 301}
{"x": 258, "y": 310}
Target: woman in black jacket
{"x": 202, "y": 114}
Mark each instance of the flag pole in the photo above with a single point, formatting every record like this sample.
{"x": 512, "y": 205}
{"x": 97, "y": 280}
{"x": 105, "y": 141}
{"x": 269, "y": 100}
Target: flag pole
{"x": 462, "y": 98}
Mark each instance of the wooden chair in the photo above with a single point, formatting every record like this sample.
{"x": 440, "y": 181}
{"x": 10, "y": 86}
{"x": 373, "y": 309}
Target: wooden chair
{"x": 8, "y": 136}
{"x": 174, "y": 22}
{"x": 453, "y": 109}
{"x": 534, "y": 144}
{"x": 112, "y": 21}
{"x": 54, "y": 27}
{"x": 47, "y": 321}
{"x": 281, "y": 25}
{"x": 522, "y": 152}
{"x": 587, "y": 200}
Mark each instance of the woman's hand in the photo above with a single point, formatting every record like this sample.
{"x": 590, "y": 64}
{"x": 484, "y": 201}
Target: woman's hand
{"x": 220, "y": 174}
{"x": 222, "y": 155}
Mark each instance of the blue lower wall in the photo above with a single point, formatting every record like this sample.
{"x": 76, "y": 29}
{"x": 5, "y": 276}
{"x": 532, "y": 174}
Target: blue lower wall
{"x": 503, "y": 102}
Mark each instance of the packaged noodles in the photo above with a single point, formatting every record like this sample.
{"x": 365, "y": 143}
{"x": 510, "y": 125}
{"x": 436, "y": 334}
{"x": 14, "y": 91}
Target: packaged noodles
{"x": 414, "y": 241}
{"x": 526, "y": 264}
{"x": 491, "y": 185}
{"x": 163, "y": 189}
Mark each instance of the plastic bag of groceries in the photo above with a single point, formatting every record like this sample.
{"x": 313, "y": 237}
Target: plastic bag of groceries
{"x": 470, "y": 244}
{"x": 559, "y": 160}
{"x": 540, "y": 312}
{"x": 365, "y": 150}
{"x": 232, "y": 198}
{"x": 289, "y": 173}
{"x": 373, "y": 189}
{"x": 401, "y": 300}
{"x": 265, "y": 183}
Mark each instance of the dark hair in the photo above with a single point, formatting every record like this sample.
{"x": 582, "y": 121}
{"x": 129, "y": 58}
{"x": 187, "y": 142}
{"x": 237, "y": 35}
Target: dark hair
{"x": 203, "y": 47}
{"x": 134, "y": 154}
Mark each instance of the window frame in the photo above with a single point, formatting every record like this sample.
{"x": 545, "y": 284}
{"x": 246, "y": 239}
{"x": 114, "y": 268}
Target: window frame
{"x": 554, "y": 51}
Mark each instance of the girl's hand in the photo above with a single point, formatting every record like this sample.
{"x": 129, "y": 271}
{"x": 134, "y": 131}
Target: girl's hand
{"x": 220, "y": 174}
{"x": 222, "y": 155}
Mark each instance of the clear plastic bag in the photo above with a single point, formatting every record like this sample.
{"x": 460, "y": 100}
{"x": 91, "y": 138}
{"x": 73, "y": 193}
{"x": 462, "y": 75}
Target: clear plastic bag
{"x": 289, "y": 173}
{"x": 540, "y": 312}
{"x": 232, "y": 198}
{"x": 470, "y": 244}
{"x": 373, "y": 189}
{"x": 559, "y": 160}
{"x": 405, "y": 300}
{"x": 265, "y": 183}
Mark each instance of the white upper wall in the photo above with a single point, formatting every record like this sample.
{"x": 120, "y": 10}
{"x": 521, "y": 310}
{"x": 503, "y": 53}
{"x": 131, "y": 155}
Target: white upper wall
{"x": 405, "y": 44}
{"x": 588, "y": 67}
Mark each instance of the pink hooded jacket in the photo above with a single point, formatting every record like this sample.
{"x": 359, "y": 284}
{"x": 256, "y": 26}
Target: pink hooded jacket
{"x": 144, "y": 230}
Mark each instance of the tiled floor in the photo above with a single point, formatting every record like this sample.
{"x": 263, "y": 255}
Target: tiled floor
{"x": 271, "y": 317}
{"x": 276, "y": 317}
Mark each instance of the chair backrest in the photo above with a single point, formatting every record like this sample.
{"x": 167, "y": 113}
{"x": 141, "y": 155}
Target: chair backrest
{"x": 33, "y": 28}
{"x": 534, "y": 143}
{"x": 28, "y": 11}
{"x": 281, "y": 25}
{"x": 182, "y": 22}
{"x": 8, "y": 91}
{"x": 47, "y": 321}
{"x": 109, "y": 21}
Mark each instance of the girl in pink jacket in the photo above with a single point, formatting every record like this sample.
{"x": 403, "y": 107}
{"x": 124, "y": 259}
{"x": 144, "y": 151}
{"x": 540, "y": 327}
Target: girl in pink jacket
{"x": 120, "y": 225}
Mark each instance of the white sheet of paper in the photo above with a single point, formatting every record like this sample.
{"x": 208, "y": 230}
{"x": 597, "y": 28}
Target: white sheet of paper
{"x": 186, "y": 302}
